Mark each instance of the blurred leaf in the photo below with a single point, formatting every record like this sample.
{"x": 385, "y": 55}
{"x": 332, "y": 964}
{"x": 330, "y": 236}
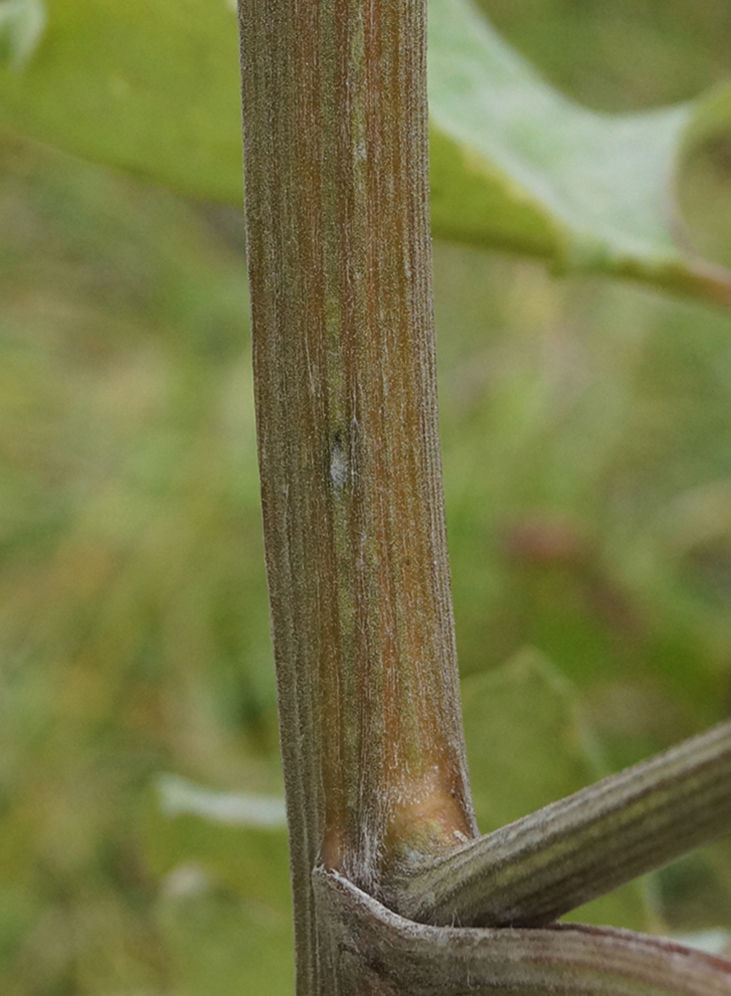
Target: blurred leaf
{"x": 179, "y": 796}
{"x": 153, "y": 88}
{"x": 527, "y": 746}
{"x": 22, "y": 23}
{"x": 16, "y": 918}
{"x": 219, "y": 943}
{"x": 242, "y": 840}
{"x": 148, "y": 86}
{"x": 224, "y": 909}
{"x": 695, "y": 891}
{"x": 716, "y": 942}
{"x": 518, "y": 165}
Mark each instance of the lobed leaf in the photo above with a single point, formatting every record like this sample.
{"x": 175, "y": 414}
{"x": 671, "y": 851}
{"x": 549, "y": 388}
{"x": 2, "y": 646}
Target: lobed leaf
{"x": 517, "y": 164}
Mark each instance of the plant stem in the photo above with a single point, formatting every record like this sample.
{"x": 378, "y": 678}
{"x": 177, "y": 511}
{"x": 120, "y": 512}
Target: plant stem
{"x": 403, "y": 958}
{"x": 532, "y": 871}
{"x": 335, "y": 143}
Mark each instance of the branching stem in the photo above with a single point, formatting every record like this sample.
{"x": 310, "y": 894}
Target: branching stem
{"x": 339, "y": 249}
{"x": 401, "y": 957}
{"x": 540, "y": 867}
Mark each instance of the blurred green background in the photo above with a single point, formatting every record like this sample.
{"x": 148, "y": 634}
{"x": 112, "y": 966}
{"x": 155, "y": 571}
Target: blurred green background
{"x": 587, "y": 460}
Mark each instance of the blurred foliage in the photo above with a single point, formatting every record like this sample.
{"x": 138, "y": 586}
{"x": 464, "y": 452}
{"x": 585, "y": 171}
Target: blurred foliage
{"x": 132, "y": 583}
{"x": 152, "y": 87}
{"x": 587, "y": 457}
{"x": 526, "y": 709}
{"x": 148, "y": 86}
{"x": 247, "y": 854}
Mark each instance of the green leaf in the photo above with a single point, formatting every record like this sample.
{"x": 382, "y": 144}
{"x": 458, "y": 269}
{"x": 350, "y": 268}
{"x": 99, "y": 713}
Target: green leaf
{"x": 528, "y": 745}
{"x": 240, "y": 839}
{"x": 146, "y": 85}
{"x": 518, "y": 165}
{"x": 218, "y": 943}
{"x": 695, "y": 892}
{"x": 152, "y": 87}
{"x": 224, "y": 908}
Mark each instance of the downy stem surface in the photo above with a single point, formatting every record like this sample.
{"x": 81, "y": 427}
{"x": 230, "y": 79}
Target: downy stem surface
{"x": 336, "y": 162}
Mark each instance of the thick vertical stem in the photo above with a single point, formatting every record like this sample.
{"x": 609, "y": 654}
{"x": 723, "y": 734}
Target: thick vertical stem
{"x": 335, "y": 143}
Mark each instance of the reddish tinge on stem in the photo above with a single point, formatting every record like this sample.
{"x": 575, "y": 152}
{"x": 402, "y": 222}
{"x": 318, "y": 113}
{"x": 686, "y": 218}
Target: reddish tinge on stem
{"x": 335, "y": 140}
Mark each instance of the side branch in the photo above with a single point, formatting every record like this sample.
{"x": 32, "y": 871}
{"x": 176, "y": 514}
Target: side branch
{"x": 398, "y": 956}
{"x": 536, "y": 869}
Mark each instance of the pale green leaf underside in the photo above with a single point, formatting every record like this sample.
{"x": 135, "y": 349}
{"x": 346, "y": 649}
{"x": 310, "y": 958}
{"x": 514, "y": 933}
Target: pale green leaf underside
{"x": 152, "y": 87}
{"x": 517, "y": 164}
{"x": 178, "y": 797}
{"x": 714, "y": 942}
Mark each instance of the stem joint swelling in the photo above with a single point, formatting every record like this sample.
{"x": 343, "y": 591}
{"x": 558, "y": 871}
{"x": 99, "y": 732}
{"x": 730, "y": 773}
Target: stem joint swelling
{"x": 373, "y": 950}
{"x": 533, "y": 871}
